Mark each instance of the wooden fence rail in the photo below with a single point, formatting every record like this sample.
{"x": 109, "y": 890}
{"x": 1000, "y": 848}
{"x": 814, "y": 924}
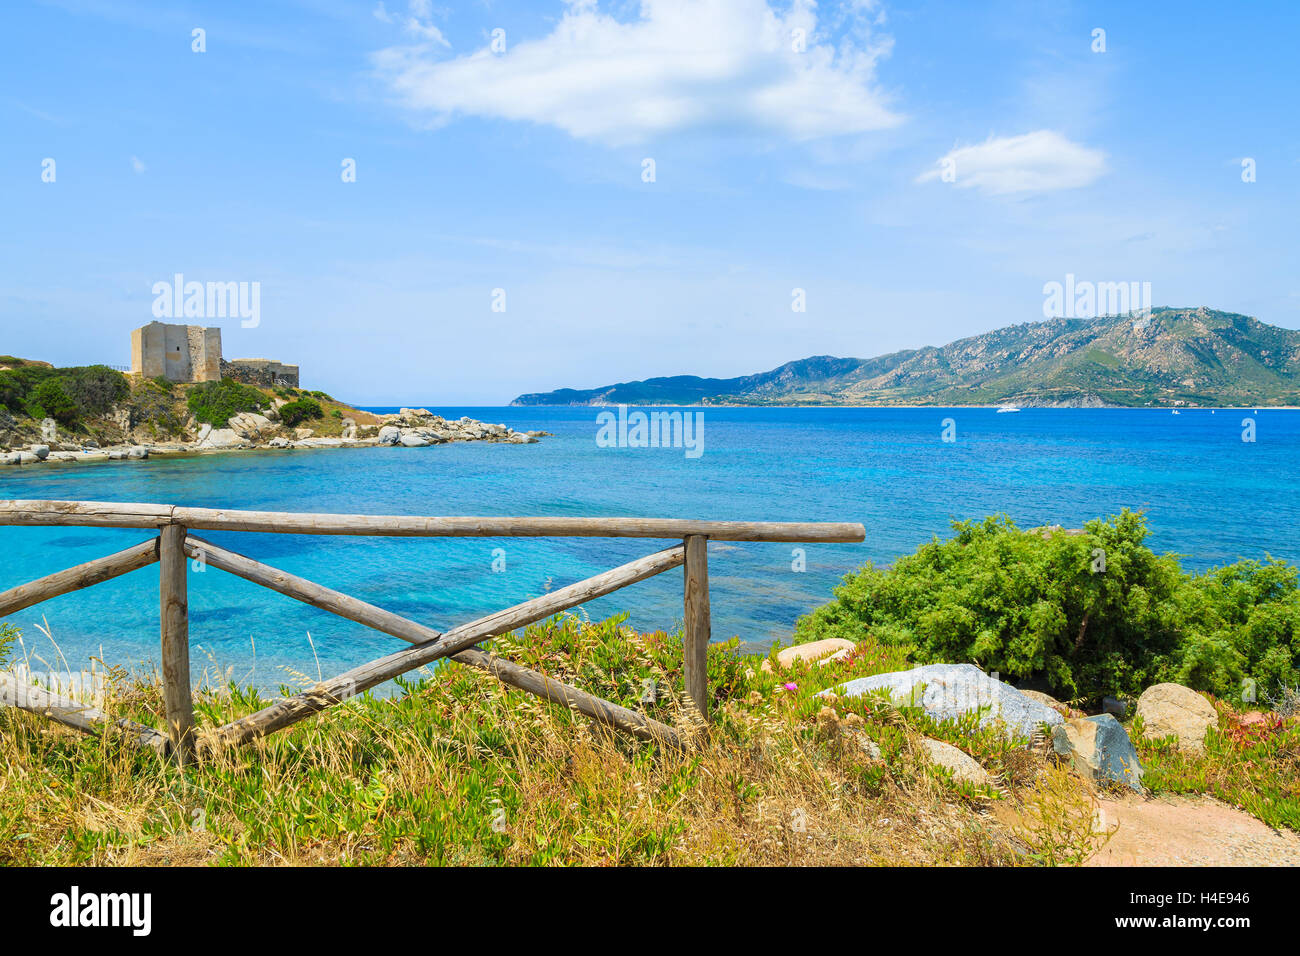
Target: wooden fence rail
{"x": 174, "y": 546}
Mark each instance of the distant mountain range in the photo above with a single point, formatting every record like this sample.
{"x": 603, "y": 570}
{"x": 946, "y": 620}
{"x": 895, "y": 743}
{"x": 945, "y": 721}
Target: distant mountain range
{"x": 1189, "y": 356}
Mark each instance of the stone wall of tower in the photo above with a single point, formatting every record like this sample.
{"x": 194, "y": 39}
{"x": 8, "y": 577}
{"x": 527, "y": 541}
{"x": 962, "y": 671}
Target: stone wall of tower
{"x": 266, "y": 372}
{"x": 205, "y": 353}
{"x": 178, "y": 353}
{"x": 192, "y": 353}
{"x": 147, "y": 351}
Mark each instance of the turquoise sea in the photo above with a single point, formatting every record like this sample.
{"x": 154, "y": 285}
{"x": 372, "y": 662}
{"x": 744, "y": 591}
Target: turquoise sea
{"x": 1209, "y": 496}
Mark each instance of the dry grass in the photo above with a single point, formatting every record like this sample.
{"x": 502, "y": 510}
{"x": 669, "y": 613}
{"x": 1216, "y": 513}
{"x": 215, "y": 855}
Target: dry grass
{"x": 463, "y": 770}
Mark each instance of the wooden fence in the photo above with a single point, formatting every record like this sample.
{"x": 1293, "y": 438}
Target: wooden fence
{"x": 175, "y": 544}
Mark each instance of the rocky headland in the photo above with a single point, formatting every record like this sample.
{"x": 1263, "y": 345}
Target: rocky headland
{"x": 263, "y": 429}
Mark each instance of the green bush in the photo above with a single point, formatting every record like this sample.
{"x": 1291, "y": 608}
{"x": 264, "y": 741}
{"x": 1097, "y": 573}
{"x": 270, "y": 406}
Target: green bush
{"x": 152, "y": 401}
{"x": 64, "y": 394}
{"x": 95, "y": 388}
{"x": 50, "y": 398}
{"x": 215, "y": 403}
{"x": 17, "y": 385}
{"x": 1243, "y": 625}
{"x": 300, "y": 411}
{"x": 1092, "y": 614}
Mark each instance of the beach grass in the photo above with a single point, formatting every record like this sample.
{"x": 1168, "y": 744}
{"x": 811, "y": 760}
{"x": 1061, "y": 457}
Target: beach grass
{"x": 460, "y": 769}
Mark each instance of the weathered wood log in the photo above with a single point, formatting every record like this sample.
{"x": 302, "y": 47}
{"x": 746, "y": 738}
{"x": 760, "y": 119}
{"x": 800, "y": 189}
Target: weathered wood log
{"x": 696, "y": 625}
{"x": 513, "y": 674}
{"x": 290, "y": 523}
{"x": 84, "y": 514}
{"x": 71, "y": 713}
{"x": 101, "y": 514}
{"x": 170, "y": 550}
{"x": 558, "y": 692}
{"x": 290, "y": 710}
{"x": 174, "y": 610}
{"x": 82, "y": 576}
{"x": 308, "y": 592}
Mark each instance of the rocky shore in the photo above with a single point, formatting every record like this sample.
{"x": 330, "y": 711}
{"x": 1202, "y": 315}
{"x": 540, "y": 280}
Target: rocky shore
{"x": 409, "y": 428}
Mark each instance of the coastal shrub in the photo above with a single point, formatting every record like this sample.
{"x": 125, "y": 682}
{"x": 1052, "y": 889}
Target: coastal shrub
{"x": 153, "y": 401}
{"x": 215, "y": 403}
{"x": 51, "y": 399}
{"x": 300, "y": 411}
{"x": 95, "y": 388}
{"x": 1243, "y": 628}
{"x": 1090, "y": 614}
{"x": 64, "y": 394}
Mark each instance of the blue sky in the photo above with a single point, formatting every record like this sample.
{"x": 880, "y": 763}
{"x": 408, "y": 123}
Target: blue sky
{"x": 775, "y": 169}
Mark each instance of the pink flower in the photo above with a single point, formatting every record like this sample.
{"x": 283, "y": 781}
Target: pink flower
{"x": 790, "y": 686}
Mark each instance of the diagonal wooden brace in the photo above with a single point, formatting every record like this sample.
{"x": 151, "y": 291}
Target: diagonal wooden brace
{"x": 431, "y": 645}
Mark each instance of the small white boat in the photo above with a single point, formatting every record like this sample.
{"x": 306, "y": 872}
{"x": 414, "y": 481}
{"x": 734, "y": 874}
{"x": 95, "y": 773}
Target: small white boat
{"x": 1176, "y": 411}
{"x": 1005, "y": 409}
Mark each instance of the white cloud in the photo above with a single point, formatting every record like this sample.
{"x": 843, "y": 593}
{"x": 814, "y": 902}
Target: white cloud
{"x": 1042, "y": 161}
{"x": 418, "y": 22}
{"x": 680, "y": 64}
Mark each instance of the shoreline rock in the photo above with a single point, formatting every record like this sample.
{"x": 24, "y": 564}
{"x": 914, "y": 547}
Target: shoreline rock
{"x": 251, "y": 431}
{"x": 419, "y": 427}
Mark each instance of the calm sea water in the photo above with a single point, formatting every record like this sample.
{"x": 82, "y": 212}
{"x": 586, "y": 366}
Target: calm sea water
{"x": 1209, "y": 496}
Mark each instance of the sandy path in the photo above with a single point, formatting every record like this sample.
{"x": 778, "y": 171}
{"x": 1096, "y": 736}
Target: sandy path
{"x": 1190, "y": 831}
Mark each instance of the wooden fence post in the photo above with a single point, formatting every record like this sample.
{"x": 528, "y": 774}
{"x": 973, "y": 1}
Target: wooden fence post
{"x": 174, "y": 605}
{"x": 696, "y": 637}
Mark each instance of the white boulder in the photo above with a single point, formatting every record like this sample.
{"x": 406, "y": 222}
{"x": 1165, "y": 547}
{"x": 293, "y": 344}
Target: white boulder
{"x": 251, "y": 425}
{"x": 946, "y": 691}
{"x": 223, "y": 438}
